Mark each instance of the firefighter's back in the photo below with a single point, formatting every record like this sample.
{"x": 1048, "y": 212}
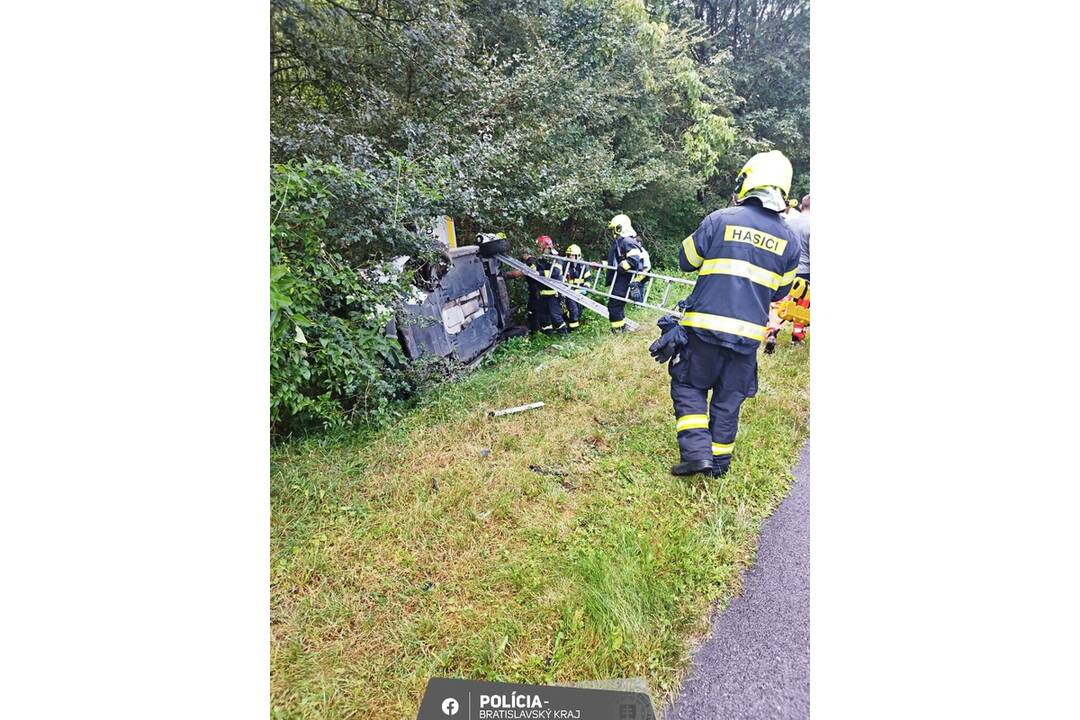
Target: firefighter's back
{"x": 743, "y": 255}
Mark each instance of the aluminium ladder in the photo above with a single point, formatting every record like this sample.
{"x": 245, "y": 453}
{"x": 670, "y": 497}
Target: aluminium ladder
{"x": 577, "y": 293}
{"x": 668, "y": 281}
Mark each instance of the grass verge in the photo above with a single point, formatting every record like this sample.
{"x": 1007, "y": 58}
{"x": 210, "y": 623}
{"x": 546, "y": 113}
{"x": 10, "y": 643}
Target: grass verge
{"x": 548, "y": 546}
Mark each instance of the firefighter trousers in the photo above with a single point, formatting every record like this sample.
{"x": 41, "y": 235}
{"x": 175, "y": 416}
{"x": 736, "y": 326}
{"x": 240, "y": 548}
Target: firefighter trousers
{"x": 573, "y": 314}
{"x": 537, "y": 312}
{"x": 706, "y": 428}
{"x": 553, "y": 317}
{"x": 617, "y": 308}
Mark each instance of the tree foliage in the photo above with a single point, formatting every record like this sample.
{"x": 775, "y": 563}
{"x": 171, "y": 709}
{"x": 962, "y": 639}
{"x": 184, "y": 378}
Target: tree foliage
{"x": 541, "y": 116}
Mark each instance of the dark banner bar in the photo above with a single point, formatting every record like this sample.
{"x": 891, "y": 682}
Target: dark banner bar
{"x": 447, "y": 699}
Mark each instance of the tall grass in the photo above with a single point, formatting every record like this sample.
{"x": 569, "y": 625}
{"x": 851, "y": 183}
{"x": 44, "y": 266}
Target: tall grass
{"x": 548, "y": 546}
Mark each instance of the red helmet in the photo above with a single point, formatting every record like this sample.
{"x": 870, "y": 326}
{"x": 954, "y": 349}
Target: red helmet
{"x": 545, "y": 243}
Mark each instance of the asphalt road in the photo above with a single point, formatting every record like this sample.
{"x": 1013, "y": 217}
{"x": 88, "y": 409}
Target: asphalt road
{"x": 756, "y": 663}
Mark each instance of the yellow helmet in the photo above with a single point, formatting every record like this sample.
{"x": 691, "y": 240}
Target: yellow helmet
{"x": 767, "y": 169}
{"x": 573, "y": 250}
{"x": 793, "y": 203}
{"x": 620, "y": 226}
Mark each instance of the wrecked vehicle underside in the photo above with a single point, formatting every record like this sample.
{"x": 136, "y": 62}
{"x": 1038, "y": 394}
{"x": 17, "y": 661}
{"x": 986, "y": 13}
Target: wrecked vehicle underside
{"x": 465, "y": 312}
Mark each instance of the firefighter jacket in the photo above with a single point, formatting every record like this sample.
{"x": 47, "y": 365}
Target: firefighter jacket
{"x": 548, "y": 266}
{"x": 625, "y": 254}
{"x": 746, "y": 257}
{"x": 577, "y": 274}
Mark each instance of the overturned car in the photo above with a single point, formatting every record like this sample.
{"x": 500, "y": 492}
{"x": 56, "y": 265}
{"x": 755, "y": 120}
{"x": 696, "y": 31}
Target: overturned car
{"x": 461, "y": 308}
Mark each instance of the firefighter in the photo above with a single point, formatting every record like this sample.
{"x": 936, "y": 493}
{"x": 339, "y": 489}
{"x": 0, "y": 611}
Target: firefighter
{"x": 547, "y": 264}
{"x": 536, "y": 315}
{"x": 576, "y": 275}
{"x": 625, "y": 258}
{"x": 746, "y": 256}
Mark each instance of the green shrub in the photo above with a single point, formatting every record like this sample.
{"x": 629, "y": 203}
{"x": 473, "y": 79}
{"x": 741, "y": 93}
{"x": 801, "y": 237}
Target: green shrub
{"x": 332, "y": 293}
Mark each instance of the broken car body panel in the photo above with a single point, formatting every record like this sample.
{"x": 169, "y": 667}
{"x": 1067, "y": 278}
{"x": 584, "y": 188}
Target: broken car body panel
{"x": 464, "y": 314}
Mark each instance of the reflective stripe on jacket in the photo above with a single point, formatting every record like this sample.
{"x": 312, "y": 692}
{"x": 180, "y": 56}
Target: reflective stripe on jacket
{"x": 746, "y": 257}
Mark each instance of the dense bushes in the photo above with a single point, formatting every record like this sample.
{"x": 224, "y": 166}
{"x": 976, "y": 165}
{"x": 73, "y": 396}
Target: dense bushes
{"x": 522, "y": 116}
{"x": 332, "y": 290}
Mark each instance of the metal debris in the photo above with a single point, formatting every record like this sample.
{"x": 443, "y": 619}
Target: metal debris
{"x": 512, "y": 410}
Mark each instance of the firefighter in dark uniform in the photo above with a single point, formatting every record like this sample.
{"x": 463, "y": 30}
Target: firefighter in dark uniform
{"x": 536, "y": 315}
{"x": 625, "y": 257}
{"x": 746, "y": 257}
{"x": 576, "y": 275}
{"x": 548, "y": 265}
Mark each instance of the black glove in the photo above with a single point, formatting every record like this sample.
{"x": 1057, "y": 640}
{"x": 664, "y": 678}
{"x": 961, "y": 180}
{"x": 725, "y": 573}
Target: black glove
{"x": 672, "y": 338}
{"x": 666, "y": 323}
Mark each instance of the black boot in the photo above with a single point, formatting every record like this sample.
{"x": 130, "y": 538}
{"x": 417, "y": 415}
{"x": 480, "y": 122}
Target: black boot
{"x": 720, "y": 469}
{"x": 692, "y": 467}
